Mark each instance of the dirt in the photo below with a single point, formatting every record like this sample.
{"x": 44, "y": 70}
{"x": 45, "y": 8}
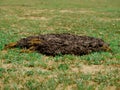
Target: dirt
{"x": 57, "y": 44}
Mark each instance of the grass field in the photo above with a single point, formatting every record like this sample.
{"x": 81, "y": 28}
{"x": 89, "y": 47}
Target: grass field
{"x": 34, "y": 71}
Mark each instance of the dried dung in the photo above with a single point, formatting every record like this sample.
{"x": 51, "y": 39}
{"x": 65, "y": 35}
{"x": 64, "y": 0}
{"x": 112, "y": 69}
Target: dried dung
{"x": 54, "y": 44}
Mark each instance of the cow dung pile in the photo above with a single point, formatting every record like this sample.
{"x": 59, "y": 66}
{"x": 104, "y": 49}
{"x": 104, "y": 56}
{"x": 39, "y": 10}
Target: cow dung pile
{"x": 55, "y": 44}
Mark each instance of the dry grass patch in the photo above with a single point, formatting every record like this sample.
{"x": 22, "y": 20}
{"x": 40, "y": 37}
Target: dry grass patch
{"x": 76, "y": 11}
{"x": 93, "y": 69}
{"x": 71, "y": 87}
{"x": 36, "y": 14}
{"x": 34, "y": 18}
{"x": 108, "y": 19}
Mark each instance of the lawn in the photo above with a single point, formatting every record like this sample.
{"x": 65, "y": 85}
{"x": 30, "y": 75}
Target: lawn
{"x": 34, "y": 71}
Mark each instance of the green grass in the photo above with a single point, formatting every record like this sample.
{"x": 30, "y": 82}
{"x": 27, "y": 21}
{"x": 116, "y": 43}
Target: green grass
{"x": 34, "y": 71}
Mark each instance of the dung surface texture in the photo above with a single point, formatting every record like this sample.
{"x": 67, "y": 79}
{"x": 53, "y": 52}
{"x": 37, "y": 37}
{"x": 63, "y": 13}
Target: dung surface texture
{"x": 55, "y": 44}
